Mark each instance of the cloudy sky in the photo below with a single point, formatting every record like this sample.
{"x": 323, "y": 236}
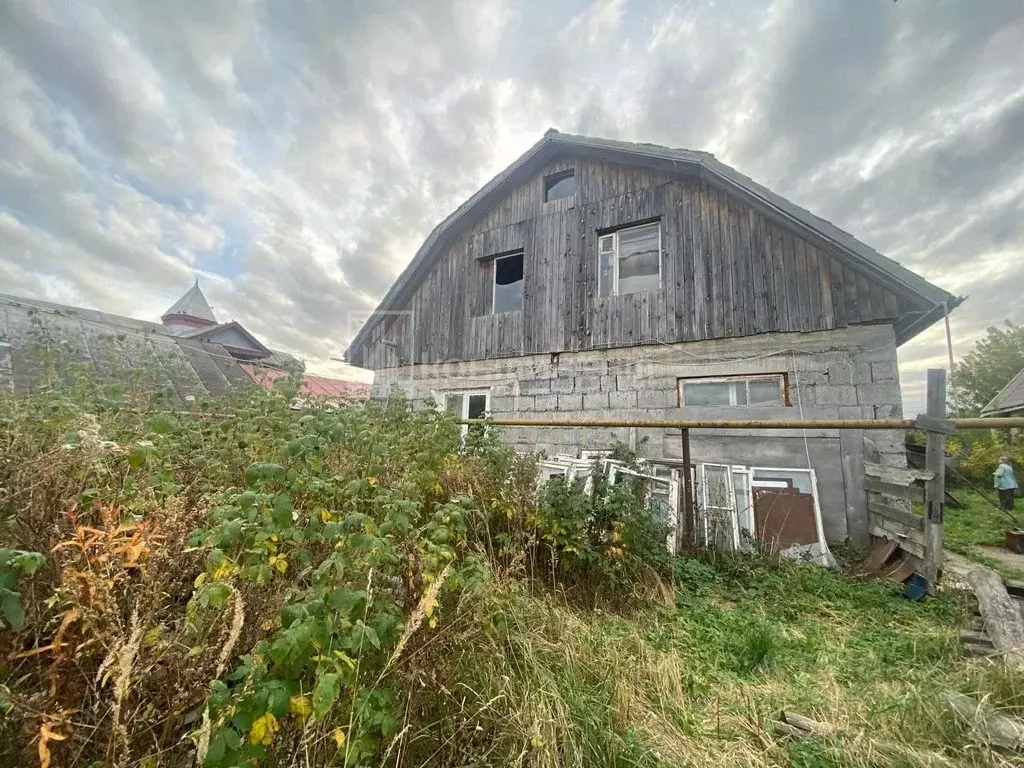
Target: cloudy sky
{"x": 294, "y": 155}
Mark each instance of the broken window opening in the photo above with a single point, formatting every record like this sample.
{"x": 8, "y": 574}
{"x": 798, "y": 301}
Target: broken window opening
{"x": 629, "y": 260}
{"x": 752, "y": 390}
{"x": 559, "y": 185}
{"x": 508, "y": 284}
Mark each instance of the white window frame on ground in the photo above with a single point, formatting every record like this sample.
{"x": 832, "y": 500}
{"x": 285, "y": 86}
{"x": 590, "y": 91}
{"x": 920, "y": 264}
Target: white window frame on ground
{"x": 733, "y": 383}
{"x": 494, "y": 282}
{"x": 609, "y": 244}
{"x": 667, "y": 480}
{"x": 722, "y": 509}
{"x": 441, "y": 398}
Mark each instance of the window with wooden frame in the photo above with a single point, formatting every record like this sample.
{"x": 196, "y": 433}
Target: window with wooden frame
{"x": 559, "y": 185}
{"x": 629, "y": 260}
{"x": 760, "y": 390}
{"x": 466, "y": 405}
{"x": 507, "y": 280}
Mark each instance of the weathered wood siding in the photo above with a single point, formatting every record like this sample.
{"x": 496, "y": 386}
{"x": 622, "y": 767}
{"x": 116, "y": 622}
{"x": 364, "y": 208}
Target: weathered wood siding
{"x": 728, "y": 270}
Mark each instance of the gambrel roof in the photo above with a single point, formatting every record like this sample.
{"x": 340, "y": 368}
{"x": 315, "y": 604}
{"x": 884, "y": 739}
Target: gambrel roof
{"x": 703, "y": 165}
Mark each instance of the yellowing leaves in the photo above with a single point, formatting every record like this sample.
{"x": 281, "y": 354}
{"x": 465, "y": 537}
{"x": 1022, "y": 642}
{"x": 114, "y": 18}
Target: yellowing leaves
{"x": 224, "y": 569}
{"x": 301, "y": 706}
{"x": 279, "y": 563}
{"x": 264, "y": 729}
{"x": 46, "y": 735}
{"x": 339, "y": 737}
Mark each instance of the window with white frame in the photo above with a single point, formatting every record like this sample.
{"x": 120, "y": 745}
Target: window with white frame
{"x": 740, "y": 390}
{"x": 508, "y": 283}
{"x": 629, "y": 260}
{"x": 467, "y": 405}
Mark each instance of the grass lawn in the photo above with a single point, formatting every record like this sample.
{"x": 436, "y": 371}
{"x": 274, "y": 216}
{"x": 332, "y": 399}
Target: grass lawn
{"x": 979, "y": 524}
{"x": 697, "y": 678}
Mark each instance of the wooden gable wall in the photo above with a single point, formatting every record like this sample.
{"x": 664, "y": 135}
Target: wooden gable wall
{"x": 728, "y": 270}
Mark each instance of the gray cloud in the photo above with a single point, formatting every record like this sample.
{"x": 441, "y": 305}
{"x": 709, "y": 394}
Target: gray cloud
{"x": 297, "y": 154}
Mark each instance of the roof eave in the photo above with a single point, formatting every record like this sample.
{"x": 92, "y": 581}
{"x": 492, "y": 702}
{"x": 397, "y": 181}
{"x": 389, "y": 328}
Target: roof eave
{"x": 1011, "y": 384}
{"x": 906, "y": 330}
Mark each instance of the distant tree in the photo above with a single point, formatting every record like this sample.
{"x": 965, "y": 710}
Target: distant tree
{"x": 988, "y": 367}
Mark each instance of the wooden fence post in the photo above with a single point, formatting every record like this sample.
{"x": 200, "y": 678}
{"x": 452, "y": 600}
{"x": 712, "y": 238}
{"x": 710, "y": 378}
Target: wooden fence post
{"x": 935, "y": 462}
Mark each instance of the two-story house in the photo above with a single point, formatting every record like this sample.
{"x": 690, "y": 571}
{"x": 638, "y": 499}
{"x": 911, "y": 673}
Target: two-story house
{"x": 595, "y": 277}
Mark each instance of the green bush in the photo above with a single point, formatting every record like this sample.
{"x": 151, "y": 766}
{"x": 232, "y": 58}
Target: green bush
{"x": 254, "y": 576}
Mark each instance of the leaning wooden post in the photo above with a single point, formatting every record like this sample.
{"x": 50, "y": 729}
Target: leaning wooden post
{"x": 934, "y": 422}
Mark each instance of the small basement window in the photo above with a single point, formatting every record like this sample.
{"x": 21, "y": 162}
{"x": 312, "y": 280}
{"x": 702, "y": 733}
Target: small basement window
{"x": 559, "y": 185}
{"x": 468, "y": 405}
{"x": 508, "y": 284}
{"x": 629, "y": 260}
{"x": 753, "y": 390}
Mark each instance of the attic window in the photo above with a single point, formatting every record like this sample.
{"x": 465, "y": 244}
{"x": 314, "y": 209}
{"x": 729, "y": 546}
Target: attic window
{"x": 508, "y": 283}
{"x": 559, "y": 185}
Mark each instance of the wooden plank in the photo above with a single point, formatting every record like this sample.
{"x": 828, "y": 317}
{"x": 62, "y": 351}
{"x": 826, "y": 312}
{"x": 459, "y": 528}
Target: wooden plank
{"x": 864, "y": 297}
{"x": 689, "y": 312}
{"x": 879, "y": 556}
{"x": 828, "y": 315}
{"x": 717, "y": 256}
{"x": 1004, "y": 623}
{"x": 906, "y": 492}
{"x": 851, "y": 447}
{"x": 879, "y": 508}
{"x": 877, "y": 301}
{"x": 702, "y": 261}
{"x": 838, "y": 297}
{"x": 852, "y": 302}
{"x": 748, "y": 288}
{"x": 935, "y": 451}
{"x": 771, "y": 297}
{"x": 897, "y": 475}
{"x": 892, "y": 310}
{"x": 892, "y": 530}
{"x": 815, "y": 319}
{"x": 755, "y": 259}
{"x": 736, "y": 289}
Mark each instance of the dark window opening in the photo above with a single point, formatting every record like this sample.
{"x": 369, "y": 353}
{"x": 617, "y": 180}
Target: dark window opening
{"x": 477, "y": 408}
{"x": 508, "y": 283}
{"x": 559, "y": 185}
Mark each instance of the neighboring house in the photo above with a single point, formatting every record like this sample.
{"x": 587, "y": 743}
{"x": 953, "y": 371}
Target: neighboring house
{"x": 189, "y": 349}
{"x": 1009, "y": 401}
{"x": 597, "y": 278}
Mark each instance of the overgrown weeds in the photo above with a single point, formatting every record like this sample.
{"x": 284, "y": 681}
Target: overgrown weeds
{"x": 238, "y": 583}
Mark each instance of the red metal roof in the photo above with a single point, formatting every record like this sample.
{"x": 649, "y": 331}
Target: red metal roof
{"x": 319, "y": 387}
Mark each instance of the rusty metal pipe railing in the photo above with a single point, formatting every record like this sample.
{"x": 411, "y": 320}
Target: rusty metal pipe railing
{"x": 994, "y": 423}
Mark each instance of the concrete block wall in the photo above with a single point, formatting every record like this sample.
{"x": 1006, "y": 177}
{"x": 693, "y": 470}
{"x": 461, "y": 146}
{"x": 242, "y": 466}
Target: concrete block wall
{"x": 848, "y": 373}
